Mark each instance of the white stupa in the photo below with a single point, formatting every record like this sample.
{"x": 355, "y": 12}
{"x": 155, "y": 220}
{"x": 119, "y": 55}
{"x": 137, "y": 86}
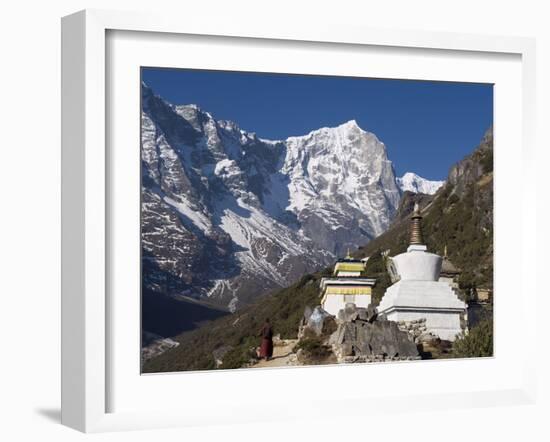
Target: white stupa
{"x": 419, "y": 293}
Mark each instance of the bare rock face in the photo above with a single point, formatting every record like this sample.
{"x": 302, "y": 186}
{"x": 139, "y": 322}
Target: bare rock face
{"x": 362, "y": 337}
{"x": 474, "y": 166}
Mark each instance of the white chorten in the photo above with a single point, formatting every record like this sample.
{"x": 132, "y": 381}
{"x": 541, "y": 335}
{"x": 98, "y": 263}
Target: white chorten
{"x": 419, "y": 293}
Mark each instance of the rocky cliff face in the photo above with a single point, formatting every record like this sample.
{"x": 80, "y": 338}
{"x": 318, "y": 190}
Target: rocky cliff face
{"x": 472, "y": 168}
{"x": 229, "y": 216}
{"x": 342, "y": 186}
{"x": 406, "y": 205}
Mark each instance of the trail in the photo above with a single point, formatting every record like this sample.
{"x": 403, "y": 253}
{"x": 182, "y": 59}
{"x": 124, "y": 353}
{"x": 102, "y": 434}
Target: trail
{"x": 281, "y": 355}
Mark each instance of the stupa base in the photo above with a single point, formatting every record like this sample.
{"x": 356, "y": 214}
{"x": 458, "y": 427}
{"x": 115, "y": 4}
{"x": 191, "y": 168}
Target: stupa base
{"x": 434, "y": 301}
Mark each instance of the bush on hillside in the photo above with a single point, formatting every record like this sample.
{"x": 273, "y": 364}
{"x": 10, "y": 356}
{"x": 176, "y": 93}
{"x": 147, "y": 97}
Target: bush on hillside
{"x": 477, "y": 343}
{"x": 240, "y": 356}
{"x": 313, "y": 348}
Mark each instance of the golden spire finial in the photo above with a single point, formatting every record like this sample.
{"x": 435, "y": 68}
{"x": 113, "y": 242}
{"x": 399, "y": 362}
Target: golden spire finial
{"x": 348, "y": 256}
{"x": 416, "y": 226}
{"x": 445, "y": 251}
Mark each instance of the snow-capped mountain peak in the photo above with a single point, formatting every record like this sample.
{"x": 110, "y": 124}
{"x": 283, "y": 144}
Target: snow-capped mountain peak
{"x": 341, "y": 129}
{"x": 414, "y": 183}
{"x": 349, "y": 126}
{"x": 229, "y": 216}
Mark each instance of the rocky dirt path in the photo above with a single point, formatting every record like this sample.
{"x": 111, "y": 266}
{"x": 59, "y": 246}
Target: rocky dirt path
{"x": 281, "y": 355}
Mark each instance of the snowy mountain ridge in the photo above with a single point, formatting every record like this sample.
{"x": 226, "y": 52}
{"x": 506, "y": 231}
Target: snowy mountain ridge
{"x": 414, "y": 183}
{"x": 229, "y": 216}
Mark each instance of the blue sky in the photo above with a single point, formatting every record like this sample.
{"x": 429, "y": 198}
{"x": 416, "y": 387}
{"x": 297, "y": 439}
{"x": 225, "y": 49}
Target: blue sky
{"x": 426, "y": 126}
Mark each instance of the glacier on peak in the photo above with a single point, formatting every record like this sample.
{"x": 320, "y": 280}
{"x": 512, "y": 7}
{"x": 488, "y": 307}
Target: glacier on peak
{"x": 414, "y": 183}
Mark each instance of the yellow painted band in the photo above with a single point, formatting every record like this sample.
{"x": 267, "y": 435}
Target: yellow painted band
{"x": 357, "y": 267}
{"x": 348, "y": 291}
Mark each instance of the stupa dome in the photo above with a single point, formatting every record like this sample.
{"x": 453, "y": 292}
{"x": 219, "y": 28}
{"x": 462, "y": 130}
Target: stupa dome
{"x": 418, "y": 265}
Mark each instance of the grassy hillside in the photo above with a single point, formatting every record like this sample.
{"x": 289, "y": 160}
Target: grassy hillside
{"x": 240, "y": 330}
{"x": 458, "y": 216}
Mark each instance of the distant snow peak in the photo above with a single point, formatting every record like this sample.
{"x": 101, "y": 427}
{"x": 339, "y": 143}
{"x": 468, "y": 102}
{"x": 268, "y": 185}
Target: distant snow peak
{"x": 188, "y": 106}
{"x": 415, "y": 183}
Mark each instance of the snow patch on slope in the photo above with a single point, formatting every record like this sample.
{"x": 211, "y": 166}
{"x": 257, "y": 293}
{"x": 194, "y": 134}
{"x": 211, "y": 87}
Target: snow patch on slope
{"x": 198, "y": 219}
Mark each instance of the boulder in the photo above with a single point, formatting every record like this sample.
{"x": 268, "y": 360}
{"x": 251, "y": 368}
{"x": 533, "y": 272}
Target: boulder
{"x": 361, "y": 336}
{"x": 348, "y": 313}
{"x": 384, "y": 338}
{"x": 427, "y": 337}
{"x": 345, "y": 332}
{"x": 307, "y": 313}
{"x": 219, "y": 353}
{"x": 319, "y": 323}
{"x": 368, "y": 314}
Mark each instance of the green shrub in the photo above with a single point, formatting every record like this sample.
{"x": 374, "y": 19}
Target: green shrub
{"x": 241, "y": 355}
{"x": 376, "y": 268}
{"x": 313, "y": 348}
{"x": 477, "y": 343}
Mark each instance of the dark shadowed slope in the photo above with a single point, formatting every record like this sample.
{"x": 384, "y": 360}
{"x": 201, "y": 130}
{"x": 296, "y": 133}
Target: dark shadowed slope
{"x": 166, "y": 316}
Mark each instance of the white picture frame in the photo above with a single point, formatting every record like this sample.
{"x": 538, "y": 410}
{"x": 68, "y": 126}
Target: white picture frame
{"x": 86, "y": 317}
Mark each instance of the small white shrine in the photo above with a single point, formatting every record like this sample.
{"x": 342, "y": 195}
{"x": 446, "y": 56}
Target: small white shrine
{"x": 419, "y": 292}
{"x": 348, "y": 285}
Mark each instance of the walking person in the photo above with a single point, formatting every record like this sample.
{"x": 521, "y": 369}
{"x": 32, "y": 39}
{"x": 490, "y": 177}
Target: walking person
{"x": 266, "y": 348}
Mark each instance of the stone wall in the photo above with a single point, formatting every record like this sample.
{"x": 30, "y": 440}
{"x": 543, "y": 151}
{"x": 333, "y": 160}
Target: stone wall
{"x": 414, "y": 328}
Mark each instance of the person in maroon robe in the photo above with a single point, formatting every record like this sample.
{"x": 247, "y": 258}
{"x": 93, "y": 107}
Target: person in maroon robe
{"x": 266, "y": 348}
